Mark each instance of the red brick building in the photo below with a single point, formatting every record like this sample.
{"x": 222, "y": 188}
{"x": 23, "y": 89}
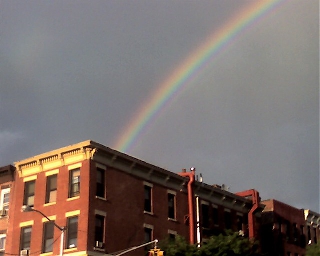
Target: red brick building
{"x": 6, "y": 180}
{"x": 103, "y": 201}
{"x": 283, "y": 229}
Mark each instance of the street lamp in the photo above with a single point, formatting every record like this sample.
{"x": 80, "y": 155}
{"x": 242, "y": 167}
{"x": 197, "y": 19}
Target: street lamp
{"x": 28, "y": 208}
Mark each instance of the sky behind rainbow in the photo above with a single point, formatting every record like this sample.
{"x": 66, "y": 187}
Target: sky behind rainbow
{"x": 230, "y": 87}
{"x": 189, "y": 68}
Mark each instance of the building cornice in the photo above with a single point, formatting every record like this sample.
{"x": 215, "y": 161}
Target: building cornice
{"x": 55, "y": 159}
{"x": 114, "y": 159}
{"x": 312, "y": 218}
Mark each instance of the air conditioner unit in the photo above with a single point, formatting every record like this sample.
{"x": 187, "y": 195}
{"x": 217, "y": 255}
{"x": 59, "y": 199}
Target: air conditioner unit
{"x": 99, "y": 244}
{"x": 24, "y": 252}
{"x": 3, "y": 212}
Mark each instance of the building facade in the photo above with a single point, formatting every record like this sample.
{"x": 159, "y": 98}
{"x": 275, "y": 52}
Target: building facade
{"x": 101, "y": 201}
{"x": 283, "y": 229}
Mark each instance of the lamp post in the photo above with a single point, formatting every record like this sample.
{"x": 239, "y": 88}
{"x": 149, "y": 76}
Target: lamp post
{"x": 28, "y": 208}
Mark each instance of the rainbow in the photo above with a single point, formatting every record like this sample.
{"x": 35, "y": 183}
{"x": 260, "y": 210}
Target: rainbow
{"x": 189, "y": 68}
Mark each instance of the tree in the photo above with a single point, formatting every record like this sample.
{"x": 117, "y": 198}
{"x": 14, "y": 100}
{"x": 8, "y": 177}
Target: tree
{"x": 229, "y": 244}
{"x": 177, "y": 247}
{"x": 313, "y": 250}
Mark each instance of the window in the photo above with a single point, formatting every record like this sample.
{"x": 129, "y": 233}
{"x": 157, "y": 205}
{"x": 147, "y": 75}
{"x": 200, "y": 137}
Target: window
{"x": 100, "y": 182}
{"x": 25, "y": 238}
{"x": 302, "y": 229}
{"x": 147, "y": 198}
{"x": 2, "y": 242}
{"x": 147, "y": 234}
{"x": 51, "y": 190}
{"x": 227, "y": 220}
{"x": 48, "y": 229}
{"x": 5, "y": 198}
{"x": 29, "y": 193}
{"x": 99, "y": 228}
{"x": 72, "y": 232}
{"x": 74, "y": 185}
{"x": 205, "y": 215}
{"x": 171, "y": 206}
{"x": 315, "y": 235}
{"x": 295, "y": 233}
{"x": 309, "y": 235}
{"x": 287, "y": 228}
{"x": 215, "y": 216}
{"x": 239, "y": 222}
{"x": 172, "y": 235}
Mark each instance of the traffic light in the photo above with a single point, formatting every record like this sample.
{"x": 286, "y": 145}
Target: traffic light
{"x": 160, "y": 253}
{"x": 155, "y": 252}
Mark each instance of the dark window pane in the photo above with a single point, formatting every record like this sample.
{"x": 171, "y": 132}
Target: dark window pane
{"x": 171, "y": 206}
{"x": 147, "y": 235}
{"x": 48, "y": 230}
{"x": 172, "y": 237}
{"x": 74, "y": 188}
{"x": 99, "y": 228}
{"x": 100, "y": 182}
{"x": 227, "y": 220}
{"x": 25, "y": 238}
{"x": 215, "y": 216}
{"x": 51, "y": 192}
{"x": 239, "y": 222}
{"x": 29, "y": 193}
{"x": 147, "y": 198}
{"x": 72, "y": 232}
{"x": 205, "y": 215}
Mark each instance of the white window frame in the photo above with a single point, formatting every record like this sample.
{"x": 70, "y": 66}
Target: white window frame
{"x": 3, "y": 237}
{"x": 3, "y": 193}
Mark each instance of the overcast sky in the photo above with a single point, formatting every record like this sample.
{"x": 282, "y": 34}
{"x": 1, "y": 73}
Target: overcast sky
{"x": 77, "y": 70}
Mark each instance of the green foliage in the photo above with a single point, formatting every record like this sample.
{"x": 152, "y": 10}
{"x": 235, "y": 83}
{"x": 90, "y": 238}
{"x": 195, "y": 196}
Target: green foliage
{"x": 230, "y": 244}
{"x": 313, "y": 250}
{"x": 178, "y": 247}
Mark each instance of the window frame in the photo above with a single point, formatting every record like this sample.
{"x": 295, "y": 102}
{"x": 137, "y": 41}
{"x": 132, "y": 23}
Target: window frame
{"x": 74, "y": 182}
{"x": 240, "y": 222}
{"x": 99, "y": 229}
{"x": 100, "y": 186}
{"x": 47, "y": 235}
{"x": 148, "y": 233}
{"x": 25, "y": 239}
{"x": 28, "y": 194}
{"x": 148, "y": 205}
{"x": 50, "y": 189}
{"x": 215, "y": 215}
{"x": 72, "y": 232}
{"x": 172, "y": 235}
{"x": 227, "y": 216}
{"x": 205, "y": 217}
{"x": 4, "y": 205}
{"x": 3, "y": 238}
{"x": 171, "y": 205}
